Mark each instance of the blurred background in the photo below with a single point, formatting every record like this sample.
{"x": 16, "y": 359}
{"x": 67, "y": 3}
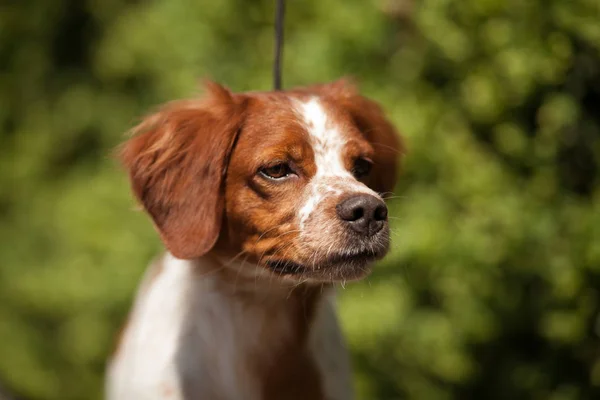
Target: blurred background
{"x": 492, "y": 289}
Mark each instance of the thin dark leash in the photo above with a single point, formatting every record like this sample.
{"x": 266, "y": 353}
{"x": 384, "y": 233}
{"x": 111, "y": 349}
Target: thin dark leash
{"x": 279, "y": 16}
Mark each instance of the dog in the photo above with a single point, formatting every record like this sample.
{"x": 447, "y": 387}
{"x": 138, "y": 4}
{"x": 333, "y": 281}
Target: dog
{"x": 263, "y": 200}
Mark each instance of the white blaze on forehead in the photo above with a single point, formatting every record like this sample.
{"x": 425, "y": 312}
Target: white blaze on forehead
{"x": 327, "y": 143}
{"x": 326, "y": 140}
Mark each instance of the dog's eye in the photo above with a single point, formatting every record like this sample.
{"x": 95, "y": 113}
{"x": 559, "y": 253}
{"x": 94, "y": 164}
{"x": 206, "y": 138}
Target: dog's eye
{"x": 277, "y": 171}
{"x": 362, "y": 167}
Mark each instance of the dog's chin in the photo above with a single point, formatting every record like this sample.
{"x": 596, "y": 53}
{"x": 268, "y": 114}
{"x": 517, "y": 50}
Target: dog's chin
{"x": 338, "y": 267}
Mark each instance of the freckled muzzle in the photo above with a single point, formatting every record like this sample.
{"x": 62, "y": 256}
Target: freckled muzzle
{"x": 344, "y": 234}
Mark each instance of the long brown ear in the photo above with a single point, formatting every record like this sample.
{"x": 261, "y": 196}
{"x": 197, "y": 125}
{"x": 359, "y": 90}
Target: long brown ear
{"x": 177, "y": 161}
{"x": 371, "y": 121}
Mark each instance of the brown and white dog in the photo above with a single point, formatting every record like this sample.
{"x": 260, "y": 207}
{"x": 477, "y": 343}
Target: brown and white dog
{"x": 263, "y": 201}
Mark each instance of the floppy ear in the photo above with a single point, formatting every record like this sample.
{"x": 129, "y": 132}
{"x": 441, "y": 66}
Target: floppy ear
{"x": 370, "y": 120}
{"x": 177, "y": 161}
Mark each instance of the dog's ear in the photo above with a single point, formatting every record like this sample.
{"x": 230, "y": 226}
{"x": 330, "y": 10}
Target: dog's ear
{"x": 177, "y": 160}
{"x": 370, "y": 120}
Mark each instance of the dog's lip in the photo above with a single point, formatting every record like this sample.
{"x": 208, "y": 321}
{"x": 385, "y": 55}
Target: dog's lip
{"x": 362, "y": 255}
{"x": 288, "y": 267}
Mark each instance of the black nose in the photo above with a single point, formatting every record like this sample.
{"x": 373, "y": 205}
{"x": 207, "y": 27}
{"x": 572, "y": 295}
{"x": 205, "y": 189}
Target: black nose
{"x": 364, "y": 213}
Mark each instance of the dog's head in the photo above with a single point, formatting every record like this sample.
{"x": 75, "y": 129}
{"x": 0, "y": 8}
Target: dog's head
{"x": 292, "y": 179}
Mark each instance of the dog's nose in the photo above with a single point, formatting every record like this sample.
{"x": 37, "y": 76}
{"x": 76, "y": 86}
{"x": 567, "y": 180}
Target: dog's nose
{"x": 364, "y": 213}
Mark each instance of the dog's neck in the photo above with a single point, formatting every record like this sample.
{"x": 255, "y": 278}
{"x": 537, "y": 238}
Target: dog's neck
{"x": 241, "y": 280}
{"x": 271, "y": 321}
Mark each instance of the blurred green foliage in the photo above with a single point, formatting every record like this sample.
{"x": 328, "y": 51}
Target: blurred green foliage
{"x": 492, "y": 288}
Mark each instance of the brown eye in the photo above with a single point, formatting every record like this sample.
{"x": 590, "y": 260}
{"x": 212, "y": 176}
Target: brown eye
{"x": 277, "y": 171}
{"x": 362, "y": 167}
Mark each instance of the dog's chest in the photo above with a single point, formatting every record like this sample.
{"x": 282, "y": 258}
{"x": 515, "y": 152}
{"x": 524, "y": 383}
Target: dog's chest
{"x": 186, "y": 340}
{"x": 248, "y": 350}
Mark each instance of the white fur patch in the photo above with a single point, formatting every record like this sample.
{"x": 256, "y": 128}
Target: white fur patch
{"x": 328, "y": 142}
{"x": 145, "y": 367}
{"x": 186, "y": 339}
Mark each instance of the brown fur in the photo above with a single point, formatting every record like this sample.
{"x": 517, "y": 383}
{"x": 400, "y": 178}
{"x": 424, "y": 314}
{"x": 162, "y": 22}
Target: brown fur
{"x": 176, "y": 163}
{"x": 193, "y": 166}
{"x": 292, "y": 374}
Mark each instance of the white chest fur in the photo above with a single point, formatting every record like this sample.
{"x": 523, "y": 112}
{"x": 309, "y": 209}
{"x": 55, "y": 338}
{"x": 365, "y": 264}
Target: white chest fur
{"x": 188, "y": 340}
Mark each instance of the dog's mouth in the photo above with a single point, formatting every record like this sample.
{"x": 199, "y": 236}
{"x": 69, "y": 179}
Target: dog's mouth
{"x": 340, "y": 265}
{"x": 286, "y": 267}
